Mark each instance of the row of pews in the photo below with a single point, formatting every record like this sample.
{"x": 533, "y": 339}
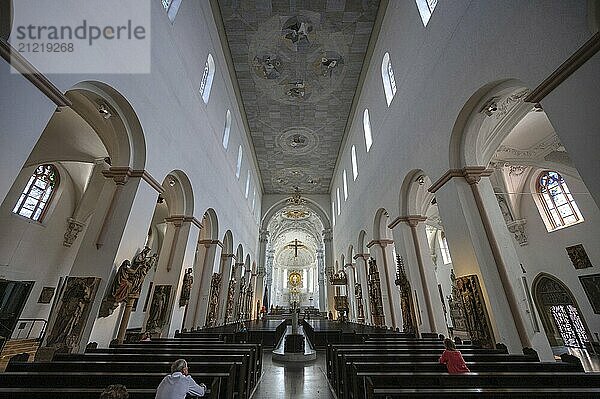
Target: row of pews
{"x": 400, "y": 366}
{"x": 229, "y": 370}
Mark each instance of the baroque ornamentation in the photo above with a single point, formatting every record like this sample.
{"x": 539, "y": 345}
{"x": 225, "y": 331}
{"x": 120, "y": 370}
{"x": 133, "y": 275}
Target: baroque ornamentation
{"x": 360, "y": 317}
{"x": 128, "y": 281}
{"x": 517, "y": 228}
{"x": 230, "y": 300}
{"x": 74, "y": 227}
{"x": 375, "y": 299}
{"x": 72, "y": 313}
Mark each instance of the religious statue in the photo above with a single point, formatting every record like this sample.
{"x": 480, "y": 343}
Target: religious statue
{"x": 159, "y": 309}
{"x": 375, "y": 299}
{"x": 408, "y": 314}
{"x": 359, "y": 303}
{"x": 72, "y": 313}
{"x": 186, "y": 289}
{"x": 128, "y": 281}
{"x": 213, "y": 300}
{"x": 230, "y": 300}
{"x": 476, "y": 321}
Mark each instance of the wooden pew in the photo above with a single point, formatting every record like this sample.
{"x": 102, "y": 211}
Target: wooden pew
{"x": 489, "y": 393}
{"x": 68, "y": 393}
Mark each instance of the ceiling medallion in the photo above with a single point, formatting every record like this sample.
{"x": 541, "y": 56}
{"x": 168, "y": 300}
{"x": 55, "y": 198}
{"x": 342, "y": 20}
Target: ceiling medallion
{"x": 297, "y": 140}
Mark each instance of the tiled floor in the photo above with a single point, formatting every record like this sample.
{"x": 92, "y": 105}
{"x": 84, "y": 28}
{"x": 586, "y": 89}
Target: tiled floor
{"x": 285, "y": 381}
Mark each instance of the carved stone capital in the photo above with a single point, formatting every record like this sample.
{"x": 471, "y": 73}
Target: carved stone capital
{"x": 74, "y": 227}
{"x": 327, "y": 235}
{"x": 382, "y": 243}
{"x": 517, "y": 228}
{"x": 209, "y": 243}
{"x": 411, "y": 220}
{"x": 179, "y": 220}
{"x": 472, "y": 174}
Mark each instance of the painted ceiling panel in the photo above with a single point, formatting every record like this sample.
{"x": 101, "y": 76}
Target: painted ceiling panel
{"x": 297, "y": 63}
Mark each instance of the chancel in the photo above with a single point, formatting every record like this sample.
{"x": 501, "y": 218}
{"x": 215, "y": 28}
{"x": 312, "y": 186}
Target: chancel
{"x": 300, "y": 199}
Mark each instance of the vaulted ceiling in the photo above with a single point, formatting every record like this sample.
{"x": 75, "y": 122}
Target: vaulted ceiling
{"x": 297, "y": 64}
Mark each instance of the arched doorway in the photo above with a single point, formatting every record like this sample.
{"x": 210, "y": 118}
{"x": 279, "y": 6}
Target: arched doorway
{"x": 559, "y": 312}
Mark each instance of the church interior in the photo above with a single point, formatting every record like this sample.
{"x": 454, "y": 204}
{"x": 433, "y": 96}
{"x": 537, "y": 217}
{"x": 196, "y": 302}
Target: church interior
{"x": 301, "y": 198}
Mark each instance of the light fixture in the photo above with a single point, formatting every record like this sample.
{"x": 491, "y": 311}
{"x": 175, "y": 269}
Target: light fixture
{"x": 171, "y": 182}
{"x": 421, "y": 180}
{"x": 104, "y": 111}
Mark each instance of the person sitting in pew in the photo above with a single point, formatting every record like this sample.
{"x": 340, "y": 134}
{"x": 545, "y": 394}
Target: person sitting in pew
{"x": 179, "y": 383}
{"x": 453, "y": 359}
{"x": 116, "y": 391}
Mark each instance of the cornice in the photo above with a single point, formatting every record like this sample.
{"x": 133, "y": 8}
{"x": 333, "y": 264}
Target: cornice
{"x": 121, "y": 174}
{"x": 180, "y": 219}
{"x": 410, "y": 220}
{"x": 207, "y": 243}
{"x": 382, "y": 243}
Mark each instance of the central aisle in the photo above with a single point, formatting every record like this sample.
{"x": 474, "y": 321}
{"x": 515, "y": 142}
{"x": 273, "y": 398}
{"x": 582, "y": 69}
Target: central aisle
{"x": 287, "y": 381}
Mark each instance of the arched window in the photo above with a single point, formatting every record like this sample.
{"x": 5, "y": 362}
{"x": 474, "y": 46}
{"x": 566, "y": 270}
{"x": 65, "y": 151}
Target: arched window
{"x": 207, "y": 78}
{"x": 38, "y": 193}
{"x": 333, "y": 211}
{"x": 247, "y": 184}
{"x": 339, "y": 203}
{"x": 444, "y": 248}
{"x": 238, "y": 167}
{"x": 172, "y": 7}
{"x": 367, "y": 129}
{"x": 345, "y": 185}
{"x": 254, "y": 199}
{"x": 426, "y": 8}
{"x": 389, "y": 81}
{"x": 227, "y": 129}
{"x": 354, "y": 163}
{"x": 559, "y": 206}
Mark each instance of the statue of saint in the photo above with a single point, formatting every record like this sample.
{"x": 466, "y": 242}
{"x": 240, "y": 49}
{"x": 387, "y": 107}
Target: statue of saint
{"x": 186, "y": 290}
{"x": 159, "y": 308}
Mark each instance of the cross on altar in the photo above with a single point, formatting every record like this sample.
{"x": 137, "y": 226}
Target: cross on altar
{"x": 296, "y": 245}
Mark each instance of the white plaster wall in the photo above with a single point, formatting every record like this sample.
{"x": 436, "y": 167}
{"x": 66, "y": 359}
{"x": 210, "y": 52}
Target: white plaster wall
{"x": 180, "y": 131}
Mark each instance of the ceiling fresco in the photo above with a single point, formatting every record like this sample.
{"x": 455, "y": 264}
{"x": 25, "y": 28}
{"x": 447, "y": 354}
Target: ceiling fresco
{"x": 297, "y": 63}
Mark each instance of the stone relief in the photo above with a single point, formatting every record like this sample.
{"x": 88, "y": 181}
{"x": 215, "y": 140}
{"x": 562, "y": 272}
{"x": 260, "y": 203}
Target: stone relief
{"x": 230, "y": 300}
{"x": 159, "y": 308}
{"x": 72, "y": 313}
{"x": 74, "y": 227}
{"x": 578, "y": 256}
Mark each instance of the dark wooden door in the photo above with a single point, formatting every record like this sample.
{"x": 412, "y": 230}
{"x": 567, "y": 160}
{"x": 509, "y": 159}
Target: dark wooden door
{"x": 13, "y": 296}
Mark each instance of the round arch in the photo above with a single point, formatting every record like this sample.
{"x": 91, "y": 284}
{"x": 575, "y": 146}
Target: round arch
{"x": 283, "y": 203}
{"x": 210, "y": 225}
{"x": 477, "y": 132}
{"x": 360, "y": 243}
{"x": 178, "y": 193}
{"x": 380, "y": 229}
{"x": 415, "y": 199}
{"x": 557, "y": 306}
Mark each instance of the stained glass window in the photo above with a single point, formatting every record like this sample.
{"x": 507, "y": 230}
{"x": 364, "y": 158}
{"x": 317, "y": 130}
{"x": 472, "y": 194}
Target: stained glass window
{"x": 37, "y": 193}
{"x": 569, "y": 325}
{"x": 559, "y": 205}
{"x": 207, "y": 78}
{"x": 367, "y": 129}
{"x": 172, "y": 7}
{"x": 426, "y": 8}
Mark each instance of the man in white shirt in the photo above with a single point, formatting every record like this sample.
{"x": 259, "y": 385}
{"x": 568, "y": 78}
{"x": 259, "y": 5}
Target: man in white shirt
{"x": 179, "y": 383}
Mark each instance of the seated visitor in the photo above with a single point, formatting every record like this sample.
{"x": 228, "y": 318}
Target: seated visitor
{"x": 116, "y": 391}
{"x": 179, "y": 383}
{"x": 145, "y": 337}
{"x": 453, "y": 359}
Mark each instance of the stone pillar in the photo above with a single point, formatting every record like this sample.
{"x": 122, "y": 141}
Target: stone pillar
{"x": 467, "y": 205}
{"x": 203, "y": 270}
{"x": 259, "y": 292}
{"x": 170, "y": 268}
{"x": 433, "y": 307}
{"x": 329, "y": 268}
{"x": 269, "y": 279}
{"x": 321, "y": 279}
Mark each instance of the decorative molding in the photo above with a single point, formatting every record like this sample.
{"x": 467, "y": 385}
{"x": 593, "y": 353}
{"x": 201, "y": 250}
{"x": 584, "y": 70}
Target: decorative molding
{"x": 208, "y": 243}
{"x": 121, "y": 174}
{"x": 565, "y": 70}
{"x": 363, "y": 256}
{"x": 517, "y": 228}
{"x": 31, "y": 73}
{"x": 178, "y": 220}
{"x": 472, "y": 174}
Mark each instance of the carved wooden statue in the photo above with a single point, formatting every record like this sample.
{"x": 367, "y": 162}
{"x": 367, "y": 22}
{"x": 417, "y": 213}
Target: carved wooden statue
{"x": 186, "y": 289}
{"x": 159, "y": 309}
{"x": 408, "y": 314}
{"x": 230, "y": 300}
{"x": 375, "y": 294}
{"x": 360, "y": 317}
{"x": 213, "y": 300}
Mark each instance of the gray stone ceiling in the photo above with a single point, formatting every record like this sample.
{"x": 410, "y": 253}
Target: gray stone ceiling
{"x": 297, "y": 64}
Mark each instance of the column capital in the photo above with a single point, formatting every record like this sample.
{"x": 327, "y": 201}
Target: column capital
{"x": 327, "y": 235}
{"x": 362, "y": 256}
{"x": 472, "y": 174}
{"x": 179, "y": 220}
{"x": 209, "y": 243}
{"x": 382, "y": 243}
{"x": 121, "y": 175}
{"x": 411, "y": 220}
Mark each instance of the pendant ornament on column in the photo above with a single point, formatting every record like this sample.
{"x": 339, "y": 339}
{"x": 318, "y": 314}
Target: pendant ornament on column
{"x": 230, "y": 300}
{"x": 409, "y": 324}
{"x": 213, "y": 301}
{"x": 74, "y": 227}
{"x": 375, "y": 299}
{"x": 186, "y": 289}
